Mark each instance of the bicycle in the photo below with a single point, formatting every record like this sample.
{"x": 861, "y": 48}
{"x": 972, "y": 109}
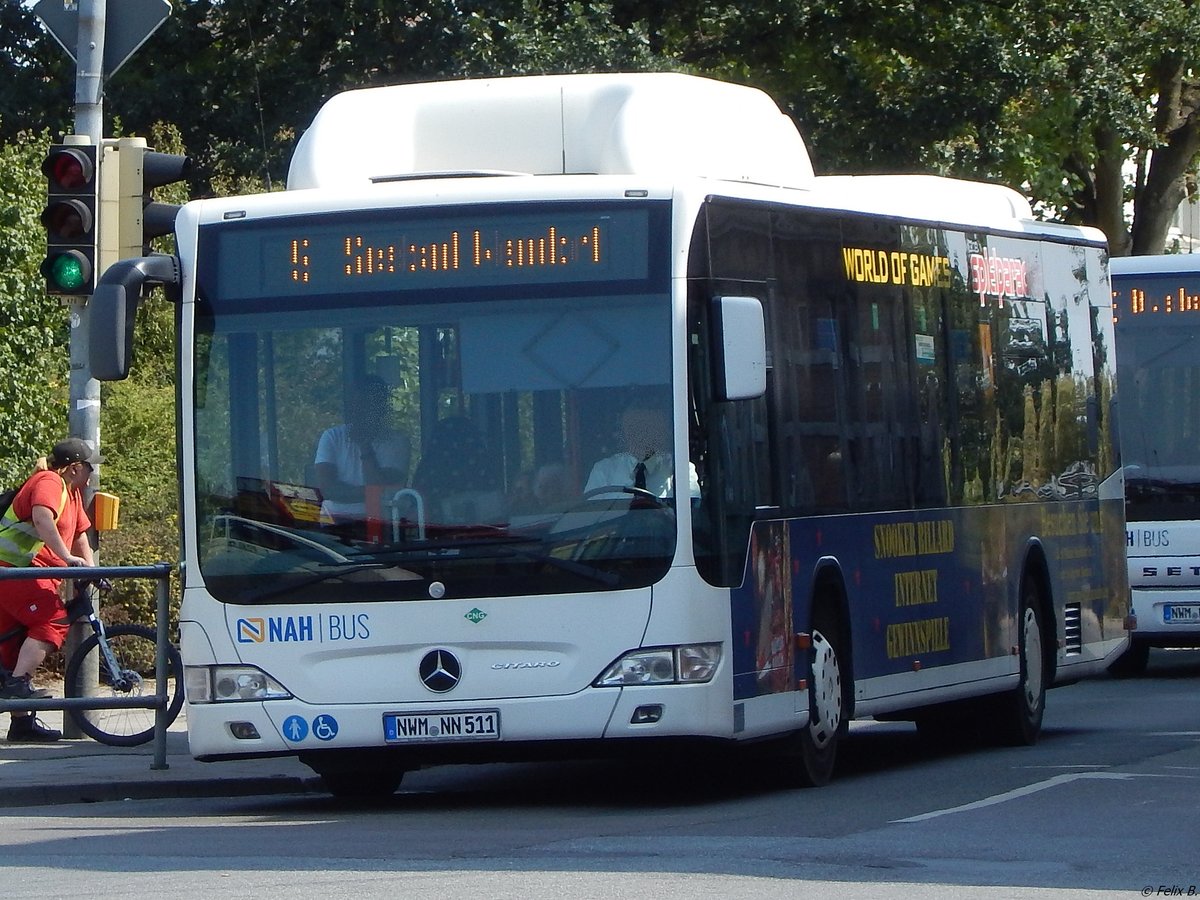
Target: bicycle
{"x": 125, "y": 660}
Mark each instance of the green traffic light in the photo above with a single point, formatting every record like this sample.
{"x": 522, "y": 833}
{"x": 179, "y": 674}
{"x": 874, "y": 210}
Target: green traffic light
{"x": 68, "y": 271}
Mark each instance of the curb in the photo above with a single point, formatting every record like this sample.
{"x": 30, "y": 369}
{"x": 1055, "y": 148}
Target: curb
{"x": 16, "y": 796}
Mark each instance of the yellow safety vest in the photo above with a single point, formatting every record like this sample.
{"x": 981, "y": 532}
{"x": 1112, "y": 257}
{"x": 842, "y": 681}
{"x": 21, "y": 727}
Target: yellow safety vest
{"x": 19, "y": 540}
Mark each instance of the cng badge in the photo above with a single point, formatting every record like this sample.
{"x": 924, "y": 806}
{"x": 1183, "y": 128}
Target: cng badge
{"x": 476, "y": 615}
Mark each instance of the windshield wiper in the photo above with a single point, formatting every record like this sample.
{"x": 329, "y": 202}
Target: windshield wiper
{"x": 416, "y": 548}
{"x": 335, "y": 570}
{"x": 498, "y": 544}
{"x": 609, "y": 579}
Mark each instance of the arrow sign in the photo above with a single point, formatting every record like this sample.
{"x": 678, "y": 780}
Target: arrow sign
{"x": 127, "y": 25}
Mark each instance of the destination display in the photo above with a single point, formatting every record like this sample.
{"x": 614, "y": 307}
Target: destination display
{"x": 1154, "y": 296}
{"x": 405, "y": 251}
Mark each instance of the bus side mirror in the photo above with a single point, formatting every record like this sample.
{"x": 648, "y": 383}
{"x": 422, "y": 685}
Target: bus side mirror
{"x": 739, "y": 348}
{"x": 113, "y": 308}
{"x": 110, "y": 332}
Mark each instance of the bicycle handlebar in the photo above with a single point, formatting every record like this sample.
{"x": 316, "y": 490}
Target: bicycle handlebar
{"x": 81, "y": 605}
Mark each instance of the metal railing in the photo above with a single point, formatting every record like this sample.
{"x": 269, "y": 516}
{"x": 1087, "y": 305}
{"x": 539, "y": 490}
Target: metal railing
{"x": 158, "y": 701}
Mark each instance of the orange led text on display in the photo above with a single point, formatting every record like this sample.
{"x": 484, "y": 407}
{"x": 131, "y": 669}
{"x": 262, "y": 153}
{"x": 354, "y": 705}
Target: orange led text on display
{"x": 300, "y": 261}
{"x": 1176, "y": 300}
{"x": 360, "y": 256}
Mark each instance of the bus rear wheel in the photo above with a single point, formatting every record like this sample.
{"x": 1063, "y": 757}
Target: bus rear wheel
{"x": 1018, "y": 718}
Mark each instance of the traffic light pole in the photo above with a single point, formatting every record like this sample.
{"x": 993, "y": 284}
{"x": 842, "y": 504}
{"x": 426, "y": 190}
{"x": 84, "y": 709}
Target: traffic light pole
{"x": 83, "y": 416}
{"x": 89, "y": 70}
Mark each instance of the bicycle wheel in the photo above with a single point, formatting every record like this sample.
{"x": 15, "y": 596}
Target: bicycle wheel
{"x": 133, "y": 646}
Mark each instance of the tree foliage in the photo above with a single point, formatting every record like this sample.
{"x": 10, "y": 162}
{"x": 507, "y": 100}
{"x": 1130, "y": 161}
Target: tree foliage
{"x": 242, "y": 78}
{"x": 38, "y": 78}
{"x": 1085, "y": 106}
{"x": 33, "y": 327}
{"x": 874, "y": 85}
{"x": 1109, "y": 115}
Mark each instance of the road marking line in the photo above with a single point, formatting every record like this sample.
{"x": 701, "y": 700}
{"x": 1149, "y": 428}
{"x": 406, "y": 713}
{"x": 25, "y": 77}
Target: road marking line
{"x": 1023, "y": 792}
{"x": 1080, "y": 766}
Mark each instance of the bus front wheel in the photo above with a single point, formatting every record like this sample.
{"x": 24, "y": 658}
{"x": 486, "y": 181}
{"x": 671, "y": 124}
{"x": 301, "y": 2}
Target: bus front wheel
{"x": 365, "y": 785}
{"x": 356, "y": 775}
{"x": 815, "y": 745}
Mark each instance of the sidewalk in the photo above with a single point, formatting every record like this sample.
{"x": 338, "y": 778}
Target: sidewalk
{"x": 84, "y": 771}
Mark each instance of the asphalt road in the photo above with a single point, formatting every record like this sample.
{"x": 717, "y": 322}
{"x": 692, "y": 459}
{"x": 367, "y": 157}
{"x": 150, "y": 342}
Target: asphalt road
{"x": 1105, "y": 805}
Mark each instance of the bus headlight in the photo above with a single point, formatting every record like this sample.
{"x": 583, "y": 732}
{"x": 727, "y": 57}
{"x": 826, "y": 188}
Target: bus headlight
{"x": 685, "y": 664}
{"x": 223, "y": 684}
{"x": 697, "y": 663}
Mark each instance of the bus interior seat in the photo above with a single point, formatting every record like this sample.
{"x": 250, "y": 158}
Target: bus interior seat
{"x": 455, "y": 475}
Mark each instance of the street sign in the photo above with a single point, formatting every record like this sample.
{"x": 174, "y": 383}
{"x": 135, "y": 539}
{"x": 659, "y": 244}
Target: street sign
{"x": 127, "y": 25}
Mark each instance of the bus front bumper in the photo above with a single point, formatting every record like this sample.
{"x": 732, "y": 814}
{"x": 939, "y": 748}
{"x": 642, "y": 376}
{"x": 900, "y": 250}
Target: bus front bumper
{"x": 479, "y": 730}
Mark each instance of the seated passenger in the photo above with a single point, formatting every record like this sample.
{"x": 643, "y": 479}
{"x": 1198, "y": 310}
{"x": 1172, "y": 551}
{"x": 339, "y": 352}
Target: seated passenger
{"x": 545, "y": 490}
{"x": 646, "y": 462}
{"x": 366, "y": 450}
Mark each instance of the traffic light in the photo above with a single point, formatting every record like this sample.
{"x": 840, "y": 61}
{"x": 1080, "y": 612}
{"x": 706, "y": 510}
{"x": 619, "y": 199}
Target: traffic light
{"x": 159, "y": 170}
{"x": 140, "y": 217}
{"x": 70, "y": 219}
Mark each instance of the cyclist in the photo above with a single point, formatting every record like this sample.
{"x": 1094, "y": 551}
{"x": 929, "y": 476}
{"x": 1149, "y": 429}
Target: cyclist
{"x": 46, "y": 525}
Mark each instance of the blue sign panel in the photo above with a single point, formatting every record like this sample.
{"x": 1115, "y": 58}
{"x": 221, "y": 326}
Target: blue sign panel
{"x": 295, "y": 729}
{"x": 325, "y": 728}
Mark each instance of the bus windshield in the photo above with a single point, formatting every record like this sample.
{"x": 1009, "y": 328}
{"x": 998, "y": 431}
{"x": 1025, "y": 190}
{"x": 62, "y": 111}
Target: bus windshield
{"x": 466, "y": 431}
{"x": 1158, "y": 375}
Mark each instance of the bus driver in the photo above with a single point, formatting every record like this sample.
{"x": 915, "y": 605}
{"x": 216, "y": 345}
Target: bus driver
{"x": 646, "y": 462}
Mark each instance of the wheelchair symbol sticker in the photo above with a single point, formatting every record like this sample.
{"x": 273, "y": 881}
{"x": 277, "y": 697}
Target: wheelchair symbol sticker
{"x": 325, "y": 728}
{"x": 295, "y": 729}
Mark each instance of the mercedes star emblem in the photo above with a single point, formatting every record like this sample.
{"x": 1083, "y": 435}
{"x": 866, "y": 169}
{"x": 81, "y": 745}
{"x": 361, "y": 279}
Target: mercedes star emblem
{"x": 440, "y": 670}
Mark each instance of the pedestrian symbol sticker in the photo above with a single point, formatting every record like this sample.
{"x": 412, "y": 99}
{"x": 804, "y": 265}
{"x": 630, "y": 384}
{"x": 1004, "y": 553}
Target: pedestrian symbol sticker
{"x": 325, "y": 728}
{"x": 295, "y": 729}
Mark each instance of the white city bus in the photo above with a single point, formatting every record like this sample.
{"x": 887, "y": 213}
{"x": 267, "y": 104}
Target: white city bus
{"x": 1156, "y": 308}
{"x": 888, "y": 398}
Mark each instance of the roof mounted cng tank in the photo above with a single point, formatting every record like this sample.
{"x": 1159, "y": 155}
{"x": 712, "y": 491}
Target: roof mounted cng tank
{"x": 632, "y": 124}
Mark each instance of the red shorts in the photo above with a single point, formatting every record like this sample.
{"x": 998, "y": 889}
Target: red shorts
{"x": 35, "y": 605}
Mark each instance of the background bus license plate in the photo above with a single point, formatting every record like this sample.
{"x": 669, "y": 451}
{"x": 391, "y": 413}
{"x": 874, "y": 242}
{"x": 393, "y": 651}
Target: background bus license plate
{"x": 481, "y": 725}
{"x": 1176, "y": 612}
